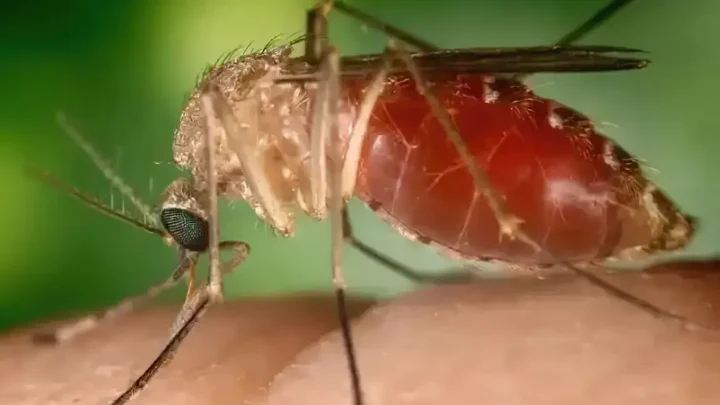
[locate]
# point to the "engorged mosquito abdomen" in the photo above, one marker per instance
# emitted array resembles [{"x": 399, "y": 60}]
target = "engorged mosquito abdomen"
[{"x": 581, "y": 197}]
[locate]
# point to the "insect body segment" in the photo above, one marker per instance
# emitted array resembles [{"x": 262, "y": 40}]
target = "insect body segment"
[
  {"x": 268, "y": 157},
  {"x": 580, "y": 195}
]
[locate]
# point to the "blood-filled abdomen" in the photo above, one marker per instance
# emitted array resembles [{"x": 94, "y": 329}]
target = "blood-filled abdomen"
[{"x": 580, "y": 195}]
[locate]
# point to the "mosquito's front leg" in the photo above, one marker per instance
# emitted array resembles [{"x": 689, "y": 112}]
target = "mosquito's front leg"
[
  {"x": 212, "y": 131},
  {"x": 239, "y": 125},
  {"x": 193, "y": 308},
  {"x": 316, "y": 47},
  {"x": 196, "y": 302},
  {"x": 239, "y": 252}
]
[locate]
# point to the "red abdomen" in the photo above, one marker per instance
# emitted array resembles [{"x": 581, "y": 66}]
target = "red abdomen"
[{"x": 581, "y": 196}]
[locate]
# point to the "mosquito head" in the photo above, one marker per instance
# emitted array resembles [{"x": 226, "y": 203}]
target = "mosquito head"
[{"x": 184, "y": 218}]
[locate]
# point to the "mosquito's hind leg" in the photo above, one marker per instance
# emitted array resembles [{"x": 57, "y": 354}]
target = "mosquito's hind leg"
[
  {"x": 458, "y": 276},
  {"x": 637, "y": 302},
  {"x": 595, "y": 21}
]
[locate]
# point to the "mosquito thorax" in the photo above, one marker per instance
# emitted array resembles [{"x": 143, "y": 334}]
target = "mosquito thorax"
[{"x": 269, "y": 164}]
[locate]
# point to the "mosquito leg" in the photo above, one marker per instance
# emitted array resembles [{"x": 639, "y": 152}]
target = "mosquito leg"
[
  {"x": 326, "y": 127},
  {"x": 316, "y": 33},
  {"x": 215, "y": 285},
  {"x": 239, "y": 252},
  {"x": 637, "y": 302},
  {"x": 213, "y": 292},
  {"x": 315, "y": 47},
  {"x": 593, "y": 22},
  {"x": 336, "y": 206},
  {"x": 509, "y": 223},
  {"x": 190, "y": 313},
  {"x": 196, "y": 304},
  {"x": 88, "y": 323},
  {"x": 384, "y": 27},
  {"x": 597, "y": 19},
  {"x": 456, "y": 277},
  {"x": 242, "y": 139},
  {"x": 191, "y": 284},
  {"x": 359, "y": 128},
  {"x": 199, "y": 303}
]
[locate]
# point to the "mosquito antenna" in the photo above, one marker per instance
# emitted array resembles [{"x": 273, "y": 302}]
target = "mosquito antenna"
[
  {"x": 594, "y": 22},
  {"x": 61, "y": 186},
  {"x": 105, "y": 168}
]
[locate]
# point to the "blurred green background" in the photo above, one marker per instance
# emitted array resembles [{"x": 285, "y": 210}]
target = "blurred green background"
[{"x": 121, "y": 70}]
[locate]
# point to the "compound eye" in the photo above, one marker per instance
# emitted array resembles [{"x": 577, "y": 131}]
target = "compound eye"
[{"x": 189, "y": 230}]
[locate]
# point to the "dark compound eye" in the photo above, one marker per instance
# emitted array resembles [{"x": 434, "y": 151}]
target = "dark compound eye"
[{"x": 188, "y": 230}]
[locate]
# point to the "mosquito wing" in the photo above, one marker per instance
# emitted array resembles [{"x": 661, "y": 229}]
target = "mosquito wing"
[{"x": 541, "y": 59}]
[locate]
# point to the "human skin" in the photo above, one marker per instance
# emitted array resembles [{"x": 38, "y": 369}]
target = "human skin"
[{"x": 557, "y": 341}]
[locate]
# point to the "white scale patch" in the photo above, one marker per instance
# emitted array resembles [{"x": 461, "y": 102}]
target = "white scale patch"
[
  {"x": 609, "y": 155},
  {"x": 555, "y": 121},
  {"x": 489, "y": 95}
]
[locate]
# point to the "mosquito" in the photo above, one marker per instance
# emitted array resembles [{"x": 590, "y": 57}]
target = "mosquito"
[{"x": 448, "y": 146}]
